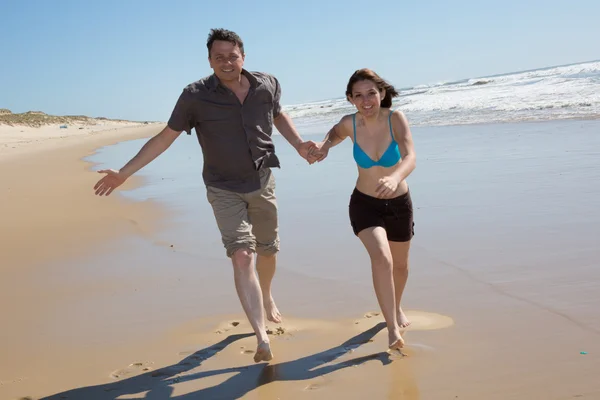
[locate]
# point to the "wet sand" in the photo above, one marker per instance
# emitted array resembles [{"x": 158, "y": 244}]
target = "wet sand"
[
  {"x": 503, "y": 289},
  {"x": 49, "y": 215}
]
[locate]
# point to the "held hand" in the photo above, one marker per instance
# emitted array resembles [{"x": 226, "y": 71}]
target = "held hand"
[
  {"x": 320, "y": 151},
  {"x": 112, "y": 180},
  {"x": 386, "y": 187},
  {"x": 305, "y": 149}
]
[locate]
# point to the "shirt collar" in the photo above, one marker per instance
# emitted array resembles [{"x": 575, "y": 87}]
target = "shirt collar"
[{"x": 214, "y": 82}]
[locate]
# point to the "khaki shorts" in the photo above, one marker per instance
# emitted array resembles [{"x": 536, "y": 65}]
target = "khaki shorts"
[{"x": 247, "y": 220}]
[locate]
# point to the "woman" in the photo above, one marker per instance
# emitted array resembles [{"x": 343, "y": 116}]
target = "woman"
[{"x": 380, "y": 208}]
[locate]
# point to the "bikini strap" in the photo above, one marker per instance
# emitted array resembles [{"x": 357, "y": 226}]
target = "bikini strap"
[
  {"x": 390, "y": 122},
  {"x": 354, "y": 124}
]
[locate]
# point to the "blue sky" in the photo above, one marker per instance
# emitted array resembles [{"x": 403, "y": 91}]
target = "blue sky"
[{"x": 131, "y": 58}]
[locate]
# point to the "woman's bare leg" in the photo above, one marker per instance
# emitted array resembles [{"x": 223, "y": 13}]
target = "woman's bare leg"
[
  {"x": 376, "y": 243},
  {"x": 400, "y": 252}
]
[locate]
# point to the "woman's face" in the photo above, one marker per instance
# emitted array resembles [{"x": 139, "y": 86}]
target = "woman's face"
[{"x": 366, "y": 97}]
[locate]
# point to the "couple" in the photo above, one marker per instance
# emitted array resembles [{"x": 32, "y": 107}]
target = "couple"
[{"x": 233, "y": 112}]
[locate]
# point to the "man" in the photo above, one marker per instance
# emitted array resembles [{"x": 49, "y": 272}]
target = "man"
[{"x": 233, "y": 112}]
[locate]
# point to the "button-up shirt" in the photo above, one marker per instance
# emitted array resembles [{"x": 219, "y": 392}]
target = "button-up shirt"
[{"x": 235, "y": 137}]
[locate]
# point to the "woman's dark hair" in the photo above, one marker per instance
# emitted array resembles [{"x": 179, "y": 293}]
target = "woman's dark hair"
[{"x": 366, "y": 74}]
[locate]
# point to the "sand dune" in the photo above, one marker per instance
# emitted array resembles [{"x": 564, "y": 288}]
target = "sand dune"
[{"x": 18, "y": 140}]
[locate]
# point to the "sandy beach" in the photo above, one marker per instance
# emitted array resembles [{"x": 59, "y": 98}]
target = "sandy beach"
[
  {"x": 49, "y": 215},
  {"x": 46, "y": 190},
  {"x": 132, "y": 295},
  {"x": 112, "y": 298}
]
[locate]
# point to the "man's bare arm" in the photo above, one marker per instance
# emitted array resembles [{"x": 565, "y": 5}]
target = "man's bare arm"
[
  {"x": 152, "y": 149},
  {"x": 285, "y": 126}
]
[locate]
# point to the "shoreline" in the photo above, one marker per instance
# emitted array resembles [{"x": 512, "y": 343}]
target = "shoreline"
[
  {"x": 51, "y": 217},
  {"x": 33, "y": 179},
  {"x": 112, "y": 320}
]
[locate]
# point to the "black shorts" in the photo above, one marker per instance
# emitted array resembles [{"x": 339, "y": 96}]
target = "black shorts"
[{"x": 394, "y": 215}]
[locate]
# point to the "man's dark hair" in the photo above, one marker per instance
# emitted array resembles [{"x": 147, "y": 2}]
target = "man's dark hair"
[{"x": 224, "y": 35}]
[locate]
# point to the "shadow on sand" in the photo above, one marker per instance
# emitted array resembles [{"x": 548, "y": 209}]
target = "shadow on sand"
[{"x": 158, "y": 383}]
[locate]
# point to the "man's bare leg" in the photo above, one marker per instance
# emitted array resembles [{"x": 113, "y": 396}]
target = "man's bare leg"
[
  {"x": 248, "y": 290},
  {"x": 265, "y": 266},
  {"x": 400, "y": 252}
]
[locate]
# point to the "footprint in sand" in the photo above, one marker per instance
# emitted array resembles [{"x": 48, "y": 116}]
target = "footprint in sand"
[
  {"x": 319, "y": 384},
  {"x": 420, "y": 320},
  {"x": 425, "y": 321},
  {"x": 370, "y": 314},
  {"x": 131, "y": 369},
  {"x": 280, "y": 330},
  {"x": 18, "y": 380},
  {"x": 247, "y": 351},
  {"x": 227, "y": 327}
]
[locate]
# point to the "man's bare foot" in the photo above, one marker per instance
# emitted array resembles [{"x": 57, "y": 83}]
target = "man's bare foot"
[
  {"x": 263, "y": 352},
  {"x": 403, "y": 321},
  {"x": 271, "y": 311},
  {"x": 396, "y": 341}
]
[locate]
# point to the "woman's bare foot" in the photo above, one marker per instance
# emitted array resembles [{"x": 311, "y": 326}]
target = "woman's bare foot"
[
  {"x": 271, "y": 311},
  {"x": 396, "y": 341},
  {"x": 403, "y": 321},
  {"x": 263, "y": 352}
]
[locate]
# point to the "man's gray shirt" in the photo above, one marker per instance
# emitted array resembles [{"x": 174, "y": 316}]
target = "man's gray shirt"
[{"x": 235, "y": 138}]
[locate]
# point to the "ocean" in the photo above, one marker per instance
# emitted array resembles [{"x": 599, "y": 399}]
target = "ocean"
[{"x": 561, "y": 92}]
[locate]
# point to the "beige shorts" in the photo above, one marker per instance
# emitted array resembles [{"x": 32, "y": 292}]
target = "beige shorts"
[{"x": 247, "y": 220}]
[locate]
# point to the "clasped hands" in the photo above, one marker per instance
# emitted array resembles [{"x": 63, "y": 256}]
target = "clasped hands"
[{"x": 313, "y": 151}]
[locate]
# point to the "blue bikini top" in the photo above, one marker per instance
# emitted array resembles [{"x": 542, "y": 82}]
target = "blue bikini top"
[{"x": 389, "y": 158}]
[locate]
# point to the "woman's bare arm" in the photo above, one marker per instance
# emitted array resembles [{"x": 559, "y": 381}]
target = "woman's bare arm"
[{"x": 404, "y": 139}]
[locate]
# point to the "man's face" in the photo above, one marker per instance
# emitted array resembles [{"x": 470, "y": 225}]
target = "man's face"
[{"x": 226, "y": 60}]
